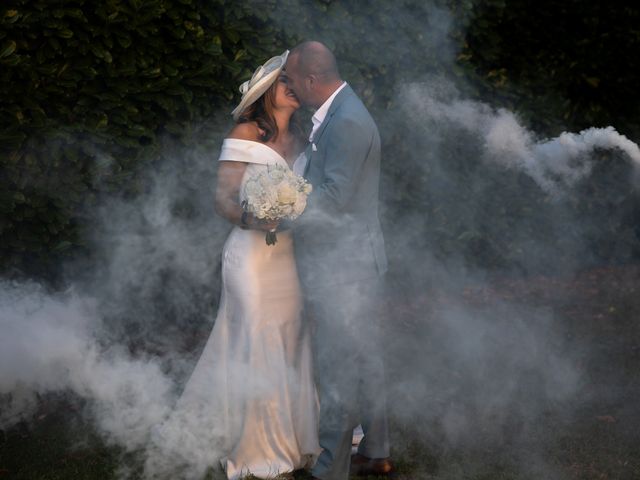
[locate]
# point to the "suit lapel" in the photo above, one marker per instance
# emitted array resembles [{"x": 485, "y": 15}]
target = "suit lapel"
[
  {"x": 340, "y": 98},
  {"x": 307, "y": 153}
]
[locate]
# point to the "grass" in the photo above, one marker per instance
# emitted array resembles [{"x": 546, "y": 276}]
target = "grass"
[
  {"x": 56, "y": 446},
  {"x": 598, "y": 440}
]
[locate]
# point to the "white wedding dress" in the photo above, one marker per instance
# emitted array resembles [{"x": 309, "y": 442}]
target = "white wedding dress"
[{"x": 251, "y": 395}]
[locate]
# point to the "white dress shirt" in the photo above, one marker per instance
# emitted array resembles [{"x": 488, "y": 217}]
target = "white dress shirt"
[
  {"x": 321, "y": 113},
  {"x": 318, "y": 117}
]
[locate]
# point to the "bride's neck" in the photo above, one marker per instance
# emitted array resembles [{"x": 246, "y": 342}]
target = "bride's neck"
[
  {"x": 284, "y": 143},
  {"x": 282, "y": 121}
]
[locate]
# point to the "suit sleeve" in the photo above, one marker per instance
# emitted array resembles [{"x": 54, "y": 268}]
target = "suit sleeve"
[{"x": 345, "y": 156}]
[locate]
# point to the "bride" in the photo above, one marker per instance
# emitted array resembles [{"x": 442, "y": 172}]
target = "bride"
[{"x": 251, "y": 400}]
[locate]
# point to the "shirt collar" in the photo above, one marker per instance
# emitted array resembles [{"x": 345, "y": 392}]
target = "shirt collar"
[{"x": 321, "y": 113}]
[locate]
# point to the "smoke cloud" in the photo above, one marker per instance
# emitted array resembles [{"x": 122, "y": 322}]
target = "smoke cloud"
[
  {"x": 554, "y": 164},
  {"x": 48, "y": 344},
  {"x": 122, "y": 338},
  {"x": 126, "y": 334}
]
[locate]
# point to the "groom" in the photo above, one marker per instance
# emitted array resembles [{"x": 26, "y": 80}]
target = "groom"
[{"x": 340, "y": 257}]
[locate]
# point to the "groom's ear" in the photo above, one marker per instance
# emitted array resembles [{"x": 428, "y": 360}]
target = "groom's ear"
[{"x": 311, "y": 81}]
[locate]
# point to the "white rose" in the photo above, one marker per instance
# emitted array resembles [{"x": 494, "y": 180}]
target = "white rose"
[
  {"x": 299, "y": 206},
  {"x": 286, "y": 194},
  {"x": 276, "y": 174}
]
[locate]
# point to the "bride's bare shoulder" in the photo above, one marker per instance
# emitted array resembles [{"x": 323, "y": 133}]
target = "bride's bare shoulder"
[{"x": 246, "y": 131}]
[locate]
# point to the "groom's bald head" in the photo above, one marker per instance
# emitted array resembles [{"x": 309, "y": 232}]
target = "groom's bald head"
[
  {"x": 312, "y": 73},
  {"x": 314, "y": 58}
]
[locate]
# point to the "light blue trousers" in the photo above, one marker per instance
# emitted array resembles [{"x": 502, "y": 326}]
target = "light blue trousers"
[{"x": 349, "y": 373}]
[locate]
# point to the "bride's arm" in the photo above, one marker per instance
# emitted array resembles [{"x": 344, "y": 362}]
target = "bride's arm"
[
  {"x": 229, "y": 180},
  {"x": 227, "y": 195},
  {"x": 227, "y": 191}
]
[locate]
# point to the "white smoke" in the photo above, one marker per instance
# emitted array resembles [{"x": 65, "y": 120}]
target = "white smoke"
[
  {"x": 478, "y": 368},
  {"x": 55, "y": 342},
  {"x": 48, "y": 345},
  {"x": 117, "y": 339},
  {"x": 554, "y": 164}
]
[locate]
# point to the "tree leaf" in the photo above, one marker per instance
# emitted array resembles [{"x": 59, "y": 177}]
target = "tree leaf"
[{"x": 7, "y": 49}]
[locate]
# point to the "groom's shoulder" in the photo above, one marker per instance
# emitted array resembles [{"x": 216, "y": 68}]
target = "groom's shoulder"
[
  {"x": 353, "y": 101},
  {"x": 352, "y": 108}
]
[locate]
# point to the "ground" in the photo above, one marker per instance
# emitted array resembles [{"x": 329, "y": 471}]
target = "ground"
[{"x": 600, "y": 440}]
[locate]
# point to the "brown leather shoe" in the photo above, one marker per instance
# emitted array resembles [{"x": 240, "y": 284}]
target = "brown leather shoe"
[{"x": 362, "y": 466}]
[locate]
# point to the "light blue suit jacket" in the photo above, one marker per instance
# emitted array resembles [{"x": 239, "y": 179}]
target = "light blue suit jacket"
[{"x": 338, "y": 239}]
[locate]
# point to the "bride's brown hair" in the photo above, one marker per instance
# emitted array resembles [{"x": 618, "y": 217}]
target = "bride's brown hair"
[{"x": 261, "y": 112}]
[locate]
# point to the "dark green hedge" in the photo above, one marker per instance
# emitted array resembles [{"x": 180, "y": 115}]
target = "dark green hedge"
[
  {"x": 86, "y": 90},
  {"x": 89, "y": 91},
  {"x": 563, "y": 64}
]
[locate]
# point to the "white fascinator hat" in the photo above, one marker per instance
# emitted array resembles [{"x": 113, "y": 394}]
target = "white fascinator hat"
[{"x": 262, "y": 79}]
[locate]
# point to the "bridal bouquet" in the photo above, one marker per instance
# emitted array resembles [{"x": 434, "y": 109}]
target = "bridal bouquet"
[{"x": 275, "y": 194}]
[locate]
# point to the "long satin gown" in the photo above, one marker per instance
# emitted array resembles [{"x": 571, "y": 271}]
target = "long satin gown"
[{"x": 253, "y": 383}]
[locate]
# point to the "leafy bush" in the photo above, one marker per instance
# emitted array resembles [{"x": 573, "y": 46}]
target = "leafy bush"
[
  {"x": 86, "y": 94},
  {"x": 89, "y": 92}
]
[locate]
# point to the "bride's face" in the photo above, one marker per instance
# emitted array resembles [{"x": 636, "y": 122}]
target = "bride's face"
[{"x": 284, "y": 95}]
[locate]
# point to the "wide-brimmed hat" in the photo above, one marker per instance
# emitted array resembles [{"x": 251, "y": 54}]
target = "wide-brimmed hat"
[{"x": 262, "y": 79}]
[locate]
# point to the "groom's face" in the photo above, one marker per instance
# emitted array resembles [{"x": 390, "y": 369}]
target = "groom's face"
[{"x": 296, "y": 80}]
